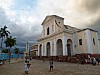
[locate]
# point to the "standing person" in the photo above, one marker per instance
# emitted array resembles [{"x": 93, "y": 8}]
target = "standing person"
[
  {"x": 28, "y": 64},
  {"x": 98, "y": 60},
  {"x": 82, "y": 60},
  {"x": 94, "y": 61},
  {"x": 51, "y": 65},
  {"x": 88, "y": 56},
  {"x": 1, "y": 63},
  {"x": 26, "y": 67},
  {"x": 77, "y": 60}
]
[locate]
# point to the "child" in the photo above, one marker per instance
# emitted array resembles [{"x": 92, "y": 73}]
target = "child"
[
  {"x": 27, "y": 66},
  {"x": 94, "y": 61},
  {"x": 51, "y": 65}
]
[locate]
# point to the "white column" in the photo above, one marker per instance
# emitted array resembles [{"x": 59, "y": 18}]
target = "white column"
[
  {"x": 64, "y": 45},
  {"x": 50, "y": 28},
  {"x": 55, "y": 51},
  {"x": 45, "y": 31},
  {"x": 45, "y": 50},
  {"x": 98, "y": 43},
  {"x": 51, "y": 48},
  {"x": 42, "y": 50},
  {"x": 54, "y": 27},
  {"x": 74, "y": 44}
]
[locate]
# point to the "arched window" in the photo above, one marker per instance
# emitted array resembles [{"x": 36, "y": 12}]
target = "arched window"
[
  {"x": 80, "y": 41},
  {"x": 48, "y": 31},
  {"x": 93, "y": 41}
]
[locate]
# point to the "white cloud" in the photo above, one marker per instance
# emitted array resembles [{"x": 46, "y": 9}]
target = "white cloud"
[
  {"x": 6, "y": 4},
  {"x": 26, "y": 21}
]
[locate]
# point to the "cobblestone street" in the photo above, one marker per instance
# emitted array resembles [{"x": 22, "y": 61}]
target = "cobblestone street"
[{"x": 38, "y": 67}]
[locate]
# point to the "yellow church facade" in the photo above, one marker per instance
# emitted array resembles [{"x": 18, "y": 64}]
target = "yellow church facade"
[{"x": 58, "y": 39}]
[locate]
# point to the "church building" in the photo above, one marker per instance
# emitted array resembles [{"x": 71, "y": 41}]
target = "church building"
[{"x": 58, "y": 39}]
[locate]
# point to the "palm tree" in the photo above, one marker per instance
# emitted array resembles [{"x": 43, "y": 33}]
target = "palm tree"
[
  {"x": 3, "y": 33},
  {"x": 16, "y": 51},
  {"x": 9, "y": 43}
]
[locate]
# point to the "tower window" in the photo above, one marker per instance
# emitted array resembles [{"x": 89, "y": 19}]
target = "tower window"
[
  {"x": 80, "y": 41},
  {"x": 48, "y": 31},
  {"x": 93, "y": 41}
]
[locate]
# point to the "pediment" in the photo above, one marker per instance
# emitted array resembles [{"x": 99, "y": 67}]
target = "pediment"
[
  {"x": 47, "y": 19},
  {"x": 50, "y": 17}
]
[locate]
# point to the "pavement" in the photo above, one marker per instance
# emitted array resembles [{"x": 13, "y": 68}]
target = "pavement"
[{"x": 38, "y": 67}]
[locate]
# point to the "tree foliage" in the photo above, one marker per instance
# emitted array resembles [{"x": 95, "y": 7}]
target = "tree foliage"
[
  {"x": 10, "y": 41},
  {"x": 16, "y": 50},
  {"x": 3, "y": 33},
  {"x": 5, "y": 51}
]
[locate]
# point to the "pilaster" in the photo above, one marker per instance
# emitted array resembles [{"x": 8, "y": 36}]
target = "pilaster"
[
  {"x": 51, "y": 48},
  {"x": 64, "y": 45},
  {"x": 55, "y": 48}
]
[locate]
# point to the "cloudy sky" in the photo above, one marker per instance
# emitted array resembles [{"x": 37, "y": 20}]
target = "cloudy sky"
[{"x": 24, "y": 17}]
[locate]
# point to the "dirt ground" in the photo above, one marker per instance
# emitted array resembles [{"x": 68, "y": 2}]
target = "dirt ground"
[{"x": 38, "y": 67}]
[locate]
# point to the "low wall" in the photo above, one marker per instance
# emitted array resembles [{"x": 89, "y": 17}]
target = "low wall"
[{"x": 5, "y": 56}]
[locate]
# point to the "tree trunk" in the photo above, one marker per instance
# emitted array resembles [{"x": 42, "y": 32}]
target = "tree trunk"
[
  {"x": 9, "y": 55},
  {"x": 1, "y": 45},
  {"x": 1, "y": 42}
]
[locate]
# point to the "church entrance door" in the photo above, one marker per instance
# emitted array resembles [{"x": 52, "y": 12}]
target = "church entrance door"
[
  {"x": 40, "y": 49},
  {"x": 69, "y": 47},
  {"x": 59, "y": 48},
  {"x": 48, "y": 49}
]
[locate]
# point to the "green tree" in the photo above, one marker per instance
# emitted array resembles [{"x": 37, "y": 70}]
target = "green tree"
[
  {"x": 3, "y": 33},
  {"x": 5, "y": 51},
  {"x": 16, "y": 51},
  {"x": 10, "y": 42}
]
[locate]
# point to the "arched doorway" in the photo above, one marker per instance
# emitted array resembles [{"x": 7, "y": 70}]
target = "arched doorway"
[
  {"x": 59, "y": 48},
  {"x": 69, "y": 47},
  {"x": 48, "y": 49},
  {"x": 40, "y": 50}
]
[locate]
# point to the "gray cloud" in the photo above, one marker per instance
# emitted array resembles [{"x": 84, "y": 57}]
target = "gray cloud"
[
  {"x": 96, "y": 26},
  {"x": 18, "y": 31},
  {"x": 91, "y": 6},
  {"x": 89, "y": 11}
]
